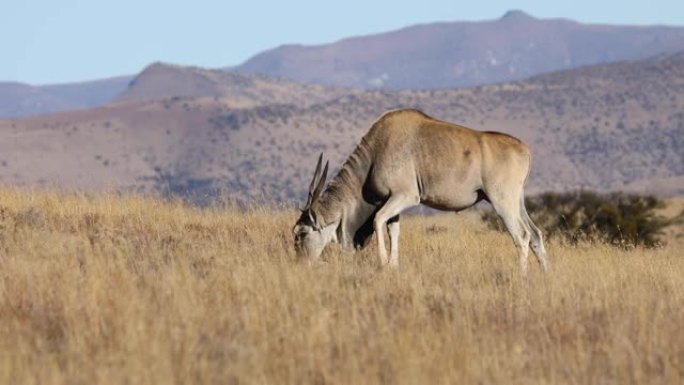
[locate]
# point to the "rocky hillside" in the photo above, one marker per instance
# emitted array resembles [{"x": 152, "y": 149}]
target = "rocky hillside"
[{"x": 608, "y": 127}]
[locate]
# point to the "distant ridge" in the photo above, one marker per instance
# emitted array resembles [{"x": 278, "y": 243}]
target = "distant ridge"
[
  {"x": 18, "y": 99},
  {"x": 457, "y": 54}
]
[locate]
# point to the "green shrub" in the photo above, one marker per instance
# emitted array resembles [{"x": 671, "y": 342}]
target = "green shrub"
[{"x": 619, "y": 219}]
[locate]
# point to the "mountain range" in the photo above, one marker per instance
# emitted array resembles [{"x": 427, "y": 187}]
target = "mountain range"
[
  {"x": 199, "y": 132},
  {"x": 430, "y": 56}
]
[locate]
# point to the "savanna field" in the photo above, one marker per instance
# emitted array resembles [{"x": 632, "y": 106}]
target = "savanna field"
[{"x": 110, "y": 289}]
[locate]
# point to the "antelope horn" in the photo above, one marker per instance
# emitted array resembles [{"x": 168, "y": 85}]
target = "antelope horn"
[
  {"x": 321, "y": 184},
  {"x": 309, "y": 201}
]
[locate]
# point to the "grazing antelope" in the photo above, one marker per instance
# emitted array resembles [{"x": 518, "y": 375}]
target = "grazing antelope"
[{"x": 408, "y": 158}]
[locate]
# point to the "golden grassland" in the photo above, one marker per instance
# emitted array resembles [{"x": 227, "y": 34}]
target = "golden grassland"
[{"x": 127, "y": 290}]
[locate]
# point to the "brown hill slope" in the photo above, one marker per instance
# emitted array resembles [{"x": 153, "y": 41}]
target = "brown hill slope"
[
  {"x": 162, "y": 81},
  {"x": 456, "y": 54},
  {"x": 617, "y": 126}
]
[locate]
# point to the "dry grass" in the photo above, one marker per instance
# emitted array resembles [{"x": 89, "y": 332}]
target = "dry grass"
[{"x": 120, "y": 290}]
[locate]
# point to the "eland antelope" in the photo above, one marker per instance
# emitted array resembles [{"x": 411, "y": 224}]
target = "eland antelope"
[{"x": 408, "y": 158}]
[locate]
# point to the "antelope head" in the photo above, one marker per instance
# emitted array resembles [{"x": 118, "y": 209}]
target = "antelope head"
[{"x": 310, "y": 234}]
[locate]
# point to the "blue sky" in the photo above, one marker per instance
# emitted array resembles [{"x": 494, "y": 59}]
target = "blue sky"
[{"x": 48, "y": 41}]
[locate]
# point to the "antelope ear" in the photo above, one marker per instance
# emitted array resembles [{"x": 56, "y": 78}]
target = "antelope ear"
[{"x": 314, "y": 220}]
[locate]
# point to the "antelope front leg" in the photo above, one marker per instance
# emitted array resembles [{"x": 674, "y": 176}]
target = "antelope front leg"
[
  {"x": 382, "y": 251},
  {"x": 393, "y": 231},
  {"x": 384, "y": 217}
]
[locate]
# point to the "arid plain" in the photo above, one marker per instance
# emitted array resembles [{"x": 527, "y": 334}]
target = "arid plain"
[{"x": 122, "y": 289}]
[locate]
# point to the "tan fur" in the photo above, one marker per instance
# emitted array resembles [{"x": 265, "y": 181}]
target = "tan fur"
[{"x": 407, "y": 158}]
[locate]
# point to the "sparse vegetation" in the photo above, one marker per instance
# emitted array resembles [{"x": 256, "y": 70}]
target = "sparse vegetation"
[
  {"x": 624, "y": 220},
  {"x": 112, "y": 289}
]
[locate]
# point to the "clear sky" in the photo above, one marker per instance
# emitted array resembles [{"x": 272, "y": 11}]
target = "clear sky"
[{"x": 57, "y": 41}]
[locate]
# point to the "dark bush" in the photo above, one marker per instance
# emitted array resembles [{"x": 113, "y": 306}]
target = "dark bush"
[{"x": 624, "y": 220}]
